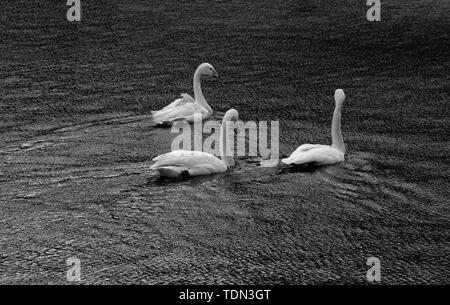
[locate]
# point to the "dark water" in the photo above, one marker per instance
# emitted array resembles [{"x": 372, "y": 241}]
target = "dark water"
[{"x": 77, "y": 141}]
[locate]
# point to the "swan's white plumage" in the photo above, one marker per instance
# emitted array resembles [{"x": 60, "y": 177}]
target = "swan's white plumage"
[
  {"x": 187, "y": 111},
  {"x": 184, "y": 99},
  {"x": 323, "y": 154},
  {"x": 315, "y": 153},
  {"x": 187, "y": 108},
  {"x": 195, "y": 163}
]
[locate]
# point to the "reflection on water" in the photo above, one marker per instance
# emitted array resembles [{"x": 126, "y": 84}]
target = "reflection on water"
[
  {"x": 255, "y": 223},
  {"x": 357, "y": 182},
  {"x": 77, "y": 143}
]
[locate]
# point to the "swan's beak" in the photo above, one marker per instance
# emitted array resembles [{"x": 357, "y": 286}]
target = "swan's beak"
[{"x": 215, "y": 74}]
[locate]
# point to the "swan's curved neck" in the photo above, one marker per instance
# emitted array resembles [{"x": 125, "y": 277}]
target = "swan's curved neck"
[
  {"x": 336, "y": 134},
  {"x": 226, "y": 152},
  {"x": 198, "y": 94}
]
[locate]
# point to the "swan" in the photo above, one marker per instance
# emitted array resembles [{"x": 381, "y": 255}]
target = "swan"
[
  {"x": 185, "y": 107},
  {"x": 323, "y": 154},
  {"x": 182, "y": 163}
]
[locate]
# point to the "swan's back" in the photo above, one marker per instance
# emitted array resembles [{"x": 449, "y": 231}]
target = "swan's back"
[
  {"x": 314, "y": 153},
  {"x": 190, "y": 160},
  {"x": 186, "y": 112}
]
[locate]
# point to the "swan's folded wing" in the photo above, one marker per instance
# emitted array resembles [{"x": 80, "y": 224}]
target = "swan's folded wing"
[
  {"x": 196, "y": 114},
  {"x": 187, "y": 112},
  {"x": 173, "y": 113},
  {"x": 184, "y": 99},
  {"x": 174, "y": 154},
  {"x": 318, "y": 154},
  {"x": 299, "y": 151},
  {"x": 306, "y": 147},
  {"x": 189, "y": 159}
]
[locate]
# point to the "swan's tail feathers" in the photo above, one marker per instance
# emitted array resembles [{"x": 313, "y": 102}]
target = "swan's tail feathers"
[
  {"x": 167, "y": 119},
  {"x": 162, "y": 124},
  {"x": 155, "y": 116},
  {"x": 286, "y": 161},
  {"x": 171, "y": 171},
  {"x": 167, "y": 123},
  {"x": 159, "y": 117}
]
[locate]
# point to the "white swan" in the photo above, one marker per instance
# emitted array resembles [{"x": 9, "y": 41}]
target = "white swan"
[
  {"x": 180, "y": 163},
  {"x": 185, "y": 107},
  {"x": 323, "y": 154}
]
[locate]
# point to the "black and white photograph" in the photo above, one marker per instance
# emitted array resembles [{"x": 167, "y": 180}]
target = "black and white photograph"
[{"x": 225, "y": 143}]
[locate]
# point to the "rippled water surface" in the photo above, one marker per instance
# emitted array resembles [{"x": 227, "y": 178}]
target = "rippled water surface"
[{"x": 77, "y": 141}]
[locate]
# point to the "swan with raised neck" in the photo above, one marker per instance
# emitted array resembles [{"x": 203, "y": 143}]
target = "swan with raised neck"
[
  {"x": 323, "y": 154},
  {"x": 203, "y": 69},
  {"x": 187, "y": 108}
]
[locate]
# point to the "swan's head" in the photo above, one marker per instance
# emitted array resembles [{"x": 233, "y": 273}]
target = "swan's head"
[
  {"x": 339, "y": 96},
  {"x": 231, "y": 115},
  {"x": 207, "y": 70}
]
